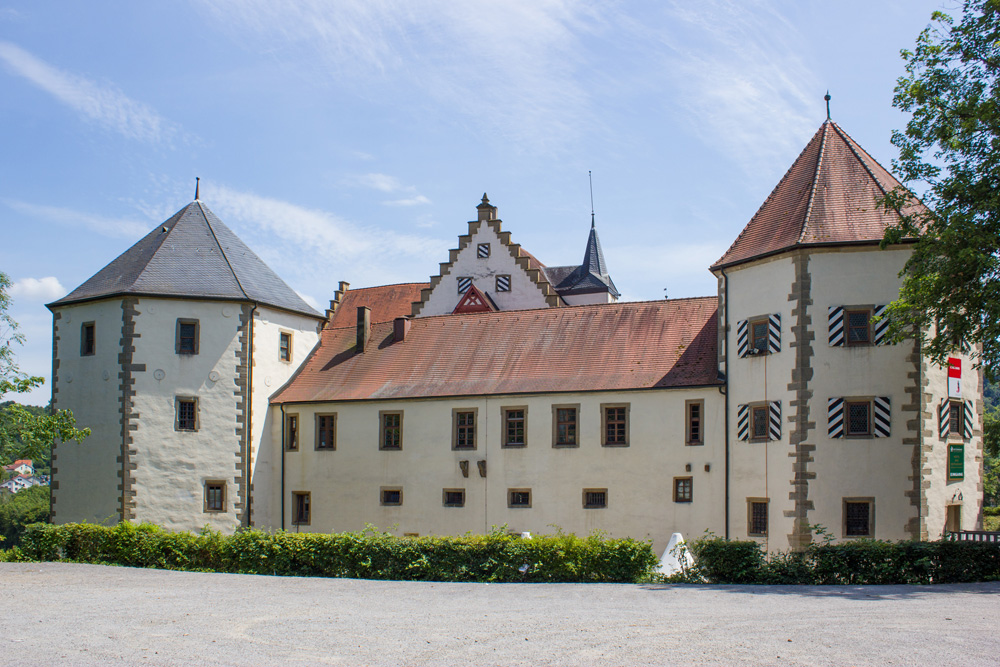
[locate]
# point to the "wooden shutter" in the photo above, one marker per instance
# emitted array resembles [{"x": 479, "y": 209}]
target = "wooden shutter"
[
  {"x": 742, "y": 422},
  {"x": 968, "y": 417},
  {"x": 836, "y": 320},
  {"x": 882, "y": 413},
  {"x": 741, "y": 339},
  {"x": 944, "y": 419},
  {"x": 774, "y": 333},
  {"x": 774, "y": 420},
  {"x": 835, "y": 417},
  {"x": 881, "y": 325}
]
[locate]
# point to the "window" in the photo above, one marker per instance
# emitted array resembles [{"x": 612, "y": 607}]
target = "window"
[
  {"x": 390, "y": 432},
  {"x": 326, "y": 432},
  {"x": 956, "y": 419},
  {"x": 757, "y": 517},
  {"x": 292, "y": 433},
  {"x": 187, "y": 414},
  {"x": 564, "y": 425},
  {"x": 454, "y": 497},
  {"x": 595, "y": 498},
  {"x": 859, "y": 517},
  {"x": 683, "y": 490},
  {"x": 695, "y": 415},
  {"x": 858, "y": 327},
  {"x": 215, "y": 496},
  {"x": 301, "y": 510},
  {"x": 858, "y": 417},
  {"x": 285, "y": 346},
  {"x": 391, "y": 496},
  {"x": 615, "y": 428},
  {"x": 515, "y": 422},
  {"x": 503, "y": 283},
  {"x": 483, "y": 250},
  {"x": 88, "y": 342},
  {"x": 464, "y": 283},
  {"x": 758, "y": 422},
  {"x": 187, "y": 337},
  {"x": 758, "y": 336},
  {"x": 518, "y": 497},
  {"x": 463, "y": 429}
]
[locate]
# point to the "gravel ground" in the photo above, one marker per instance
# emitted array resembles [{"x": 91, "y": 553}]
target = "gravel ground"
[{"x": 60, "y": 613}]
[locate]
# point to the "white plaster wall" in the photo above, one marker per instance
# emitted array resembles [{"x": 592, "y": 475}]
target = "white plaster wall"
[
  {"x": 524, "y": 293},
  {"x": 172, "y": 466},
  {"x": 270, "y": 373},
  {"x": 587, "y": 299},
  {"x": 85, "y": 476},
  {"x": 345, "y": 483}
]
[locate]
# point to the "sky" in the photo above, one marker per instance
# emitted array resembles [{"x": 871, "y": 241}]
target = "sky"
[{"x": 352, "y": 139}]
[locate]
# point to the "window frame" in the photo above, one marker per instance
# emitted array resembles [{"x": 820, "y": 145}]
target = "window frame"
[
  {"x": 196, "y": 338},
  {"x": 297, "y": 504},
  {"x": 292, "y": 435},
  {"x": 178, "y": 401},
  {"x": 496, "y": 283},
  {"x": 752, "y": 340},
  {"x": 870, "y": 501},
  {"x": 848, "y": 433},
  {"x": 680, "y": 495},
  {"x": 458, "y": 281},
  {"x": 505, "y": 421},
  {"x": 479, "y": 251},
  {"x": 383, "y": 490},
  {"x": 444, "y": 498},
  {"x": 510, "y": 498},
  {"x": 285, "y": 351},
  {"x": 455, "y": 426},
  {"x": 751, "y": 502},
  {"x": 318, "y": 428},
  {"x": 209, "y": 484},
  {"x": 588, "y": 503},
  {"x": 555, "y": 425},
  {"x": 868, "y": 312},
  {"x": 382, "y": 414},
  {"x": 956, "y": 407},
  {"x": 754, "y": 409},
  {"x": 91, "y": 327},
  {"x": 689, "y": 439},
  {"x": 605, "y": 407}
]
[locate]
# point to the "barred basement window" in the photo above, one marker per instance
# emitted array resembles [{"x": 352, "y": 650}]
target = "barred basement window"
[
  {"x": 88, "y": 341},
  {"x": 301, "y": 511},
  {"x": 390, "y": 434},
  {"x": 464, "y": 429},
  {"x": 285, "y": 346},
  {"x": 515, "y": 420},
  {"x": 187, "y": 414},
  {"x": 757, "y": 517},
  {"x": 518, "y": 497},
  {"x": 215, "y": 496},
  {"x": 391, "y": 496},
  {"x": 683, "y": 489},
  {"x": 615, "y": 429},
  {"x": 695, "y": 409},
  {"x": 859, "y": 517},
  {"x": 595, "y": 498},
  {"x": 187, "y": 337},
  {"x": 454, "y": 497},
  {"x": 858, "y": 417},
  {"x": 326, "y": 432},
  {"x": 858, "y": 327},
  {"x": 292, "y": 433}
]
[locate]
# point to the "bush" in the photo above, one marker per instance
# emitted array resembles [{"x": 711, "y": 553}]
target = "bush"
[
  {"x": 20, "y": 509},
  {"x": 367, "y": 554}
]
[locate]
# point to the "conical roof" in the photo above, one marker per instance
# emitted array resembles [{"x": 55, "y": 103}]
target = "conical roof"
[
  {"x": 192, "y": 255},
  {"x": 827, "y": 197},
  {"x": 591, "y": 276}
]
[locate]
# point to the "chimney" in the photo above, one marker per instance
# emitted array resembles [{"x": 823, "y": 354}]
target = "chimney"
[
  {"x": 486, "y": 210},
  {"x": 364, "y": 328},
  {"x": 400, "y": 327},
  {"x": 338, "y": 296}
]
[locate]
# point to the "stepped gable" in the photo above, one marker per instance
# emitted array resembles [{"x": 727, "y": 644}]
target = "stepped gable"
[
  {"x": 827, "y": 197},
  {"x": 603, "y": 347},
  {"x": 192, "y": 255},
  {"x": 387, "y": 302}
]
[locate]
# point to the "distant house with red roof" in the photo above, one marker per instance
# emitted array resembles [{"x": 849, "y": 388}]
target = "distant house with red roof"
[{"x": 21, "y": 467}]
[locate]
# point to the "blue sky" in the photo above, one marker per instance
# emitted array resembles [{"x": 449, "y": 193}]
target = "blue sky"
[{"x": 351, "y": 140}]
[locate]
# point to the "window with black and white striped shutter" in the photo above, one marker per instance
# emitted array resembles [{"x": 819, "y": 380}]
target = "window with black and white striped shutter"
[
  {"x": 882, "y": 414},
  {"x": 879, "y": 326},
  {"x": 743, "y": 422},
  {"x": 774, "y": 420},
  {"x": 742, "y": 342},
  {"x": 968, "y": 417},
  {"x": 464, "y": 283}
]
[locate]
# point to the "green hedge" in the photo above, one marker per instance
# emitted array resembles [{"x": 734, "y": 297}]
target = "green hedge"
[
  {"x": 368, "y": 554},
  {"x": 857, "y": 562}
]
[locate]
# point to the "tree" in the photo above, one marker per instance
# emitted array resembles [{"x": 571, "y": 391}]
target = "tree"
[
  {"x": 25, "y": 433},
  {"x": 951, "y": 150}
]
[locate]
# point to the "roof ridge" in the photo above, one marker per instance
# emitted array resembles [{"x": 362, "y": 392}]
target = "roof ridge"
[
  {"x": 222, "y": 250},
  {"x": 855, "y": 147},
  {"x": 812, "y": 186}
]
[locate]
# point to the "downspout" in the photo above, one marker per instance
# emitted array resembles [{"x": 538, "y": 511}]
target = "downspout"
[
  {"x": 725, "y": 388},
  {"x": 282, "y": 405},
  {"x": 248, "y": 462}
]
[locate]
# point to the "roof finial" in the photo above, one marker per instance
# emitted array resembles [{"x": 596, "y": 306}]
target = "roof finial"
[
  {"x": 197, "y": 182},
  {"x": 827, "y": 98},
  {"x": 590, "y": 177}
]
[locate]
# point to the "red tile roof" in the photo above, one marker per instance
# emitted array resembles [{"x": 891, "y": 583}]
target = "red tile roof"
[
  {"x": 638, "y": 345},
  {"x": 826, "y": 197},
  {"x": 387, "y": 302}
]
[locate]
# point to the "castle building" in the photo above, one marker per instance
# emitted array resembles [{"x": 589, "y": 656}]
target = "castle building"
[{"x": 507, "y": 393}]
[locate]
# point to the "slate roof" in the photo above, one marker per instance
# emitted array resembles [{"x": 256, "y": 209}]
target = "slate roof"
[
  {"x": 616, "y": 346},
  {"x": 192, "y": 255},
  {"x": 827, "y": 197},
  {"x": 591, "y": 276}
]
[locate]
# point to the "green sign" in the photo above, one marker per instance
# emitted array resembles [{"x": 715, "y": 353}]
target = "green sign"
[{"x": 956, "y": 461}]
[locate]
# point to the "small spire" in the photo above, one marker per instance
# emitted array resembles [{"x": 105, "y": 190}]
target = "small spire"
[
  {"x": 197, "y": 182},
  {"x": 486, "y": 200},
  {"x": 590, "y": 177},
  {"x": 827, "y": 98}
]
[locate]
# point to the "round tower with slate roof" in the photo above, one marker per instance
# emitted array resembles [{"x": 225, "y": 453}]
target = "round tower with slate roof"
[{"x": 169, "y": 354}]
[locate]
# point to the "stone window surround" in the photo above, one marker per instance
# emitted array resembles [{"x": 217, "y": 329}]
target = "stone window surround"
[
  {"x": 870, "y": 500},
  {"x": 292, "y": 435},
  {"x": 682, "y": 494},
  {"x": 297, "y": 504},
  {"x": 178, "y": 400},
  {"x": 767, "y": 516},
  {"x": 592, "y": 504},
  {"x": 383, "y": 494},
  {"x": 556, "y": 407},
  {"x": 688, "y": 405},
  {"x": 510, "y": 498},
  {"x": 316, "y": 421},
  {"x": 382, "y": 414},
  {"x": 604, "y": 424},
  {"x": 458, "y": 503},
  {"x": 455, "y": 412},
  {"x": 209, "y": 483},
  {"x": 504, "y": 444},
  {"x": 285, "y": 352},
  {"x": 90, "y": 326},
  {"x": 177, "y": 336}
]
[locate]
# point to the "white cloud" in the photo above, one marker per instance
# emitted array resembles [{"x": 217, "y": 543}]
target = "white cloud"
[
  {"x": 412, "y": 201},
  {"x": 112, "y": 227},
  {"x": 380, "y": 182},
  {"x": 38, "y": 289},
  {"x": 311, "y": 301},
  {"x": 102, "y": 104}
]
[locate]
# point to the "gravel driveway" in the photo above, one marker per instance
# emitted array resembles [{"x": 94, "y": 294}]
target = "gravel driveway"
[{"x": 60, "y": 613}]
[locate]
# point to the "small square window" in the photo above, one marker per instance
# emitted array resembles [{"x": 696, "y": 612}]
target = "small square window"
[
  {"x": 615, "y": 425},
  {"x": 595, "y": 498},
  {"x": 757, "y": 517},
  {"x": 326, "y": 432},
  {"x": 503, "y": 283},
  {"x": 683, "y": 489},
  {"x": 285, "y": 346},
  {"x": 564, "y": 425},
  {"x": 187, "y": 337},
  {"x": 391, "y": 496},
  {"x": 464, "y": 430},
  {"x": 483, "y": 250},
  {"x": 454, "y": 497},
  {"x": 88, "y": 341},
  {"x": 758, "y": 337},
  {"x": 758, "y": 422},
  {"x": 292, "y": 433},
  {"x": 390, "y": 434},
  {"x": 515, "y": 427},
  {"x": 695, "y": 415},
  {"x": 464, "y": 283},
  {"x": 215, "y": 496},
  {"x": 858, "y": 517},
  {"x": 518, "y": 497},
  {"x": 187, "y": 414},
  {"x": 858, "y": 415},
  {"x": 858, "y": 327},
  {"x": 301, "y": 510}
]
